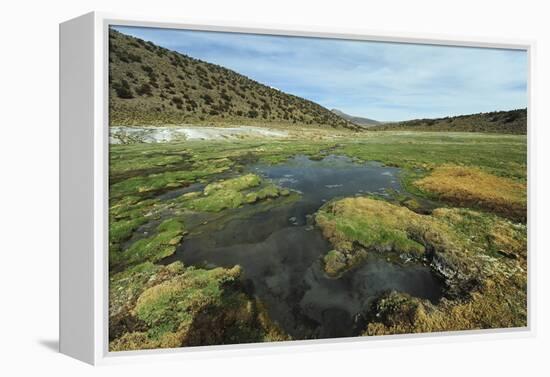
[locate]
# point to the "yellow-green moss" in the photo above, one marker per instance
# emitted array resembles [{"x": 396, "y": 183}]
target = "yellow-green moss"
[
  {"x": 336, "y": 262},
  {"x": 481, "y": 257},
  {"x": 171, "y": 306},
  {"x": 151, "y": 249},
  {"x": 183, "y": 307},
  {"x": 232, "y": 193},
  {"x": 234, "y": 184},
  {"x": 356, "y": 225},
  {"x": 497, "y": 304},
  {"x": 267, "y": 192},
  {"x": 125, "y": 287}
]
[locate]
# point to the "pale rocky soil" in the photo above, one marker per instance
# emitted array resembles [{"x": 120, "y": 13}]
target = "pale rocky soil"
[{"x": 123, "y": 135}]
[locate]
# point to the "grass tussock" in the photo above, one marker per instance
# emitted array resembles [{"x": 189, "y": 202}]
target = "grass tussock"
[{"x": 472, "y": 187}]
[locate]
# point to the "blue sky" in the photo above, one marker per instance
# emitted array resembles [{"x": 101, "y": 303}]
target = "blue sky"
[{"x": 378, "y": 80}]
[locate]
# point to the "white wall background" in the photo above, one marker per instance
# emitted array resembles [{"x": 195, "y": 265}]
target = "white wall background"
[{"x": 29, "y": 184}]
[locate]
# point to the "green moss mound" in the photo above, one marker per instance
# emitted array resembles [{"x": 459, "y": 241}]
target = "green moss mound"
[
  {"x": 482, "y": 259},
  {"x": 151, "y": 249},
  {"x": 232, "y": 193},
  {"x": 173, "y": 306},
  {"x": 358, "y": 225}
]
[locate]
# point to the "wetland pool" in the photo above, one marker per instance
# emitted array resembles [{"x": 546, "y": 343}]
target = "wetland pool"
[{"x": 280, "y": 250}]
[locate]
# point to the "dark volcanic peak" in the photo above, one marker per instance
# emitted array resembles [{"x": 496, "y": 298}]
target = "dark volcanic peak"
[
  {"x": 151, "y": 85},
  {"x": 510, "y": 122},
  {"x": 360, "y": 121}
]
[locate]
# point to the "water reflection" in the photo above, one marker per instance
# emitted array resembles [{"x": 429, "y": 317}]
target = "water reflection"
[{"x": 280, "y": 251}]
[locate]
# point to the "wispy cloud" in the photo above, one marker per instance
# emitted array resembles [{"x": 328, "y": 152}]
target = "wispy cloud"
[{"x": 386, "y": 81}]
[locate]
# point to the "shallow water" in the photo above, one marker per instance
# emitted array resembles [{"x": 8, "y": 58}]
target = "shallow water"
[{"x": 280, "y": 251}]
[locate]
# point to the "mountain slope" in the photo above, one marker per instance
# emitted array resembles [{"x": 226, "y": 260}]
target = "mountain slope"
[
  {"x": 150, "y": 85},
  {"x": 509, "y": 122},
  {"x": 360, "y": 121}
]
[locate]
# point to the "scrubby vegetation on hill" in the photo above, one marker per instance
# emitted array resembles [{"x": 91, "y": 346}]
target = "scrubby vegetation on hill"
[
  {"x": 153, "y": 85},
  {"x": 507, "y": 122}
]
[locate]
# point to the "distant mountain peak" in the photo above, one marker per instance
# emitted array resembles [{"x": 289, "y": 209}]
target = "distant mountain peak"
[{"x": 360, "y": 121}]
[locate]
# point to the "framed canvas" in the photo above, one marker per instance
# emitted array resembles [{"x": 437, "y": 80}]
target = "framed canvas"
[{"x": 252, "y": 188}]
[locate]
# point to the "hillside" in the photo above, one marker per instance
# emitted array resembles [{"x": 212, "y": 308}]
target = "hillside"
[
  {"x": 508, "y": 122},
  {"x": 360, "y": 121},
  {"x": 150, "y": 85}
]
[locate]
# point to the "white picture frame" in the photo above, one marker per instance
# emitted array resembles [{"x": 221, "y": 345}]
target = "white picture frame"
[{"x": 84, "y": 150}]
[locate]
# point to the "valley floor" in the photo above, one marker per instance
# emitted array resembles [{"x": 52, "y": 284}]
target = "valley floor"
[{"x": 446, "y": 209}]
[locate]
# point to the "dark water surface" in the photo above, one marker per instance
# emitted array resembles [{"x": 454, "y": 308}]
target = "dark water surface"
[{"x": 280, "y": 251}]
